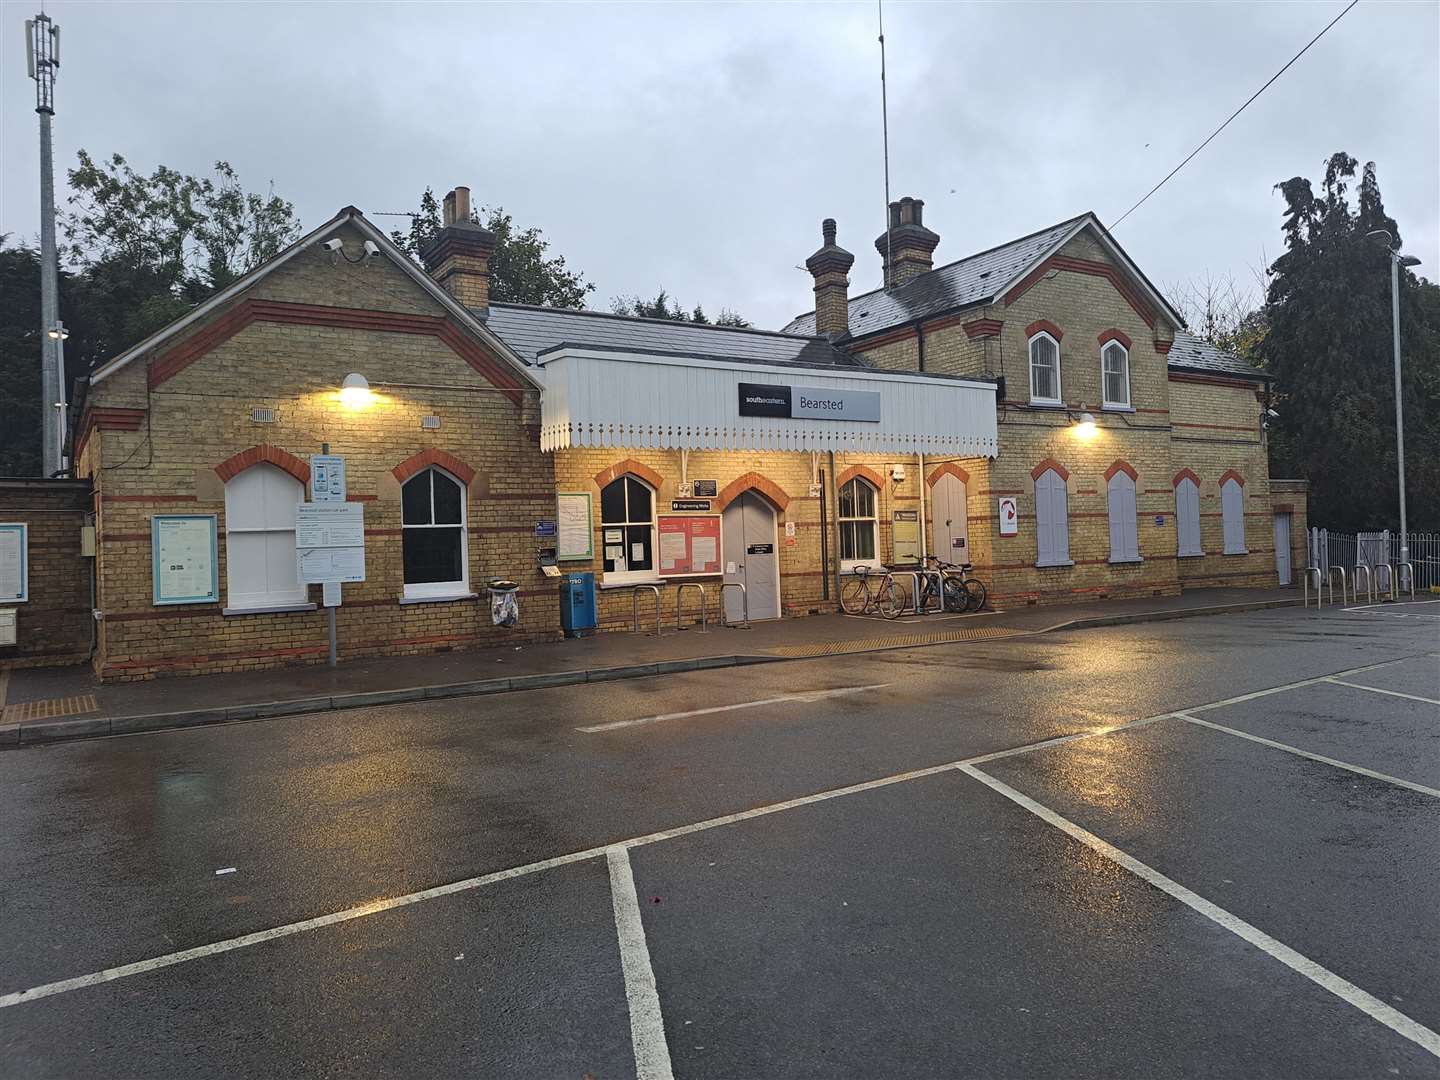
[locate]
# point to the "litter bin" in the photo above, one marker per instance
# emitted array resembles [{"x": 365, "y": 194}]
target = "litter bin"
[
  {"x": 504, "y": 603},
  {"x": 577, "y": 604}
]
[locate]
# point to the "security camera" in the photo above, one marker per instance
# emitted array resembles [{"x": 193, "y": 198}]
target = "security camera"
[
  {"x": 334, "y": 245},
  {"x": 1272, "y": 414},
  {"x": 372, "y": 251}
]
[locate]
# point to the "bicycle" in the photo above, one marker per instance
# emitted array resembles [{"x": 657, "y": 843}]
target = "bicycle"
[
  {"x": 858, "y": 596},
  {"x": 962, "y": 590}
]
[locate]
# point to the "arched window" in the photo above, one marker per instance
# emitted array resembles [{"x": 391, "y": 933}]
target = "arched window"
[
  {"x": 1187, "y": 518},
  {"x": 1115, "y": 375},
  {"x": 432, "y": 505},
  {"x": 859, "y": 523},
  {"x": 1052, "y": 520},
  {"x": 1044, "y": 370},
  {"x": 260, "y": 539},
  {"x": 1232, "y": 513},
  {"x": 1124, "y": 526},
  {"x": 627, "y": 521}
]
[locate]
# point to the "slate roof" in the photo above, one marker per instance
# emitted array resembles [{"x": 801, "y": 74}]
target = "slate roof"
[
  {"x": 1190, "y": 353},
  {"x": 530, "y": 331},
  {"x": 972, "y": 280}
]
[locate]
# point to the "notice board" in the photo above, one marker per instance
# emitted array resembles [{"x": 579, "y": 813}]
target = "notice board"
[
  {"x": 184, "y": 569},
  {"x": 689, "y": 544},
  {"x": 14, "y": 562},
  {"x": 329, "y": 542},
  {"x": 574, "y": 527}
]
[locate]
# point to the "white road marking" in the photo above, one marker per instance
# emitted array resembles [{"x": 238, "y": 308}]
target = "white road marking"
[
  {"x": 1391, "y": 603},
  {"x": 1432, "y": 792},
  {"x": 226, "y": 870},
  {"x": 809, "y": 695},
  {"x": 1295, "y": 685},
  {"x": 1347, "y": 991},
  {"x": 647, "y": 1026},
  {"x": 1377, "y": 690}
]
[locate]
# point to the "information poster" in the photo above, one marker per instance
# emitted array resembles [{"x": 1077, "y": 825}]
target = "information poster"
[
  {"x": 14, "y": 563},
  {"x": 327, "y": 478},
  {"x": 688, "y": 545},
  {"x": 905, "y": 536},
  {"x": 182, "y": 549},
  {"x": 1009, "y": 516},
  {"x": 575, "y": 531},
  {"x": 329, "y": 542}
]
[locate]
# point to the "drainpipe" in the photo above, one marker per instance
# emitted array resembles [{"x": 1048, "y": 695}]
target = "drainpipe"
[
  {"x": 924, "y": 549},
  {"x": 835, "y": 553},
  {"x": 920, "y": 344},
  {"x": 824, "y": 535}
]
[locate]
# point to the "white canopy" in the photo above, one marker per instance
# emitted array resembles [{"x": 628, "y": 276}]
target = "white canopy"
[{"x": 616, "y": 399}]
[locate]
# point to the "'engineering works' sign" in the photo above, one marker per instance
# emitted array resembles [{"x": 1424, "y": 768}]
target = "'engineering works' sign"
[{"x": 809, "y": 402}]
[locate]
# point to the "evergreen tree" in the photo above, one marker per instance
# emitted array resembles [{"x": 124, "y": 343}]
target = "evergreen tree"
[
  {"x": 664, "y": 306},
  {"x": 1328, "y": 344}
]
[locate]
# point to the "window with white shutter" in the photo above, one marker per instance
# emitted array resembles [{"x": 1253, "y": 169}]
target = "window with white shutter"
[
  {"x": 1124, "y": 528},
  {"x": 1044, "y": 370},
  {"x": 1052, "y": 525},
  {"x": 260, "y": 567},
  {"x": 1187, "y": 518},
  {"x": 1232, "y": 513}
]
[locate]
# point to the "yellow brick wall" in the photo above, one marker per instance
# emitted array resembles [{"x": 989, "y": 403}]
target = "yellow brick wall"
[
  {"x": 53, "y": 625},
  {"x": 201, "y": 416}
]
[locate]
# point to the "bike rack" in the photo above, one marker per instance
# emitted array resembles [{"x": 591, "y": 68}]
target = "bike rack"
[
  {"x": 1407, "y": 566},
  {"x": 680, "y": 592},
  {"x": 1389, "y": 579},
  {"x": 1344, "y": 584},
  {"x": 744, "y": 605},
  {"x": 635, "y": 608},
  {"x": 916, "y": 577},
  {"x": 1319, "y": 587},
  {"x": 1369, "y": 584}
]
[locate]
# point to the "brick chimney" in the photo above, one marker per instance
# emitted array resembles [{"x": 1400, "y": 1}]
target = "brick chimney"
[
  {"x": 458, "y": 256},
  {"x": 830, "y": 267},
  {"x": 906, "y": 248}
]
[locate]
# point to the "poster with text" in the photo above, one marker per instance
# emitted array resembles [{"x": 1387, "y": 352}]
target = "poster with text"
[
  {"x": 574, "y": 529},
  {"x": 182, "y": 550},
  {"x": 689, "y": 544},
  {"x": 14, "y": 562}
]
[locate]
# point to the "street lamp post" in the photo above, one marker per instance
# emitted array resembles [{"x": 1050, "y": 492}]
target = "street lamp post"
[{"x": 1397, "y": 261}]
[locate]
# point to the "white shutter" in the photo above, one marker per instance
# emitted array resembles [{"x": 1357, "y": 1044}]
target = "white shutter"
[
  {"x": 1124, "y": 529},
  {"x": 260, "y": 538},
  {"x": 1187, "y": 518},
  {"x": 1232, "y": 512},
  {"x": 1052, "y": 530}
]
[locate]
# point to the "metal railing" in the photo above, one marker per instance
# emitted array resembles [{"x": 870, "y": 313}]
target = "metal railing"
[
  {"x": 744, "y": 605},
  {"x": 679, "y": 593},
  {"x": 635, "y": 608},
  {"x": 1374, "y": 550}
]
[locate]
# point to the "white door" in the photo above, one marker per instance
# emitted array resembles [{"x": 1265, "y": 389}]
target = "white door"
[
  {"x": 947, "y": 515},
  {"x": 1282, "y": 548},
  {"x": 748, "y": 525}
]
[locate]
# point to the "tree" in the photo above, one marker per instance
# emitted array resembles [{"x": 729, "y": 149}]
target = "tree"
[
  {"x": 1328, "y": 344},
  {"x": 521, "y": 271},
  {"x": 664, "y": 306},
  {"x": 1222, "y": 312}
]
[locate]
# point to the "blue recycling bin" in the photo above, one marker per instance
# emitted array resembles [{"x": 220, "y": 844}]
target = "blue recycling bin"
[{"x": 577, "y": 604}]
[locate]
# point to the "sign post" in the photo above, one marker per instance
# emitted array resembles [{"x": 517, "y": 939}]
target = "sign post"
[{"x": 329, "y": 536}]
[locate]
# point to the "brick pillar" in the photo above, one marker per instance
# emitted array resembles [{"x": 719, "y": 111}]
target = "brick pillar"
[
  {"x": 830, "y": 267},
  {"x": 907, "y": 246},
  {"x": 459, "y": 255}
]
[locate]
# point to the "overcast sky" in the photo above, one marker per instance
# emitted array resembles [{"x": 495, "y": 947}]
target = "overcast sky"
[{"x": 697, "y": 147}]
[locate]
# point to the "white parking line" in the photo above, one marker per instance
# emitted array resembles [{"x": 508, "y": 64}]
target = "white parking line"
[
  {"x": 810, "y": 695},
  {"x": 1432, "y": 792},
  {"x": 1377, "y": 690},
  {"x": 1347, "y": 991},
  {"x": 1294, "y": 685},
  {"x": 647, "y": 1026}
]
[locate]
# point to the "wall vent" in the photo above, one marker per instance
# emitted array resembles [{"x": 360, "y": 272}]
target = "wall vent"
[
  {"x": 262, "y": 416},
  {"x": 430, "y": 423}
]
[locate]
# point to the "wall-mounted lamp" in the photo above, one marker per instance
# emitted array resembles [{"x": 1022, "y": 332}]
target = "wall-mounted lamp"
[
  {"x": 1085, "y": 426},
  {"x": 355, "y": 391}
]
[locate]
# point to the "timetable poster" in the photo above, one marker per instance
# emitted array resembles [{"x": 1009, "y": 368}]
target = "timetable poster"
[{"x": 183, "y": 556}]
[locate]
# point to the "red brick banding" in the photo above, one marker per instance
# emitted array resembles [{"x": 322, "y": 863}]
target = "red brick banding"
[
  {"x": 983, "y": 328},
  {"x": 952, "y": 469},
  {"x": 1185, "y": 474},
  {"x": 860, "y": 470},
  {"x": 426, "y": 458},
  {"x": 1118, "y": 467},
  {"x": 1045, "y": 466},
  {"x": 1045, "y": 325},
  {"x": 1113, "y": 334},
  {"x": 266, "y": 454},
  {"x": 1231, "y": 474},
  {"x": 1163, "y": 347},
  {"x": 1085, "y": 266},
  {"x": 635, "y": 468},
  {"x": 752, "y": 481}
]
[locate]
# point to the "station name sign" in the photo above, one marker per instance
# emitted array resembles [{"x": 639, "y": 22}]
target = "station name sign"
[{"x": 809, "y": 402}]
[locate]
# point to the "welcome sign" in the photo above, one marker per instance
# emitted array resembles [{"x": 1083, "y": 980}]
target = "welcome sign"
[{"x": 809, "y": 402}]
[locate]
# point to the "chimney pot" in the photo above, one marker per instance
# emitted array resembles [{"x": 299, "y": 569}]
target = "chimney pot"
[
  {"x": 462, "y": 204},
  {"x": 458, "y": 256},
  {"x": 830, "y": 267},
  {"x": 448, "y": 215},
  {"x": 827, "y": 230},
  {"x": 906, "y": 247}
]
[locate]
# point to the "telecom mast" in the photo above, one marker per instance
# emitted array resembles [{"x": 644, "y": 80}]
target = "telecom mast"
[{"x": 42, "y": 51}]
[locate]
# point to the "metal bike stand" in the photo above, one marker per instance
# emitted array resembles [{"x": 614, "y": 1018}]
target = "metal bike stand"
[
  {"x": 680, "y": 592},
  {"x": 1319, "y": 586},
  {"x": 1411, "y": 567},
  {"x": 1344, "y": 584},
  {"x": 1369, "y": 584},
  {"x": 635, "y": 608},
  {"x": 744, "y": 605},
  {"x": 917, "y": 588},
  {"x": 1389, "y": 580}
]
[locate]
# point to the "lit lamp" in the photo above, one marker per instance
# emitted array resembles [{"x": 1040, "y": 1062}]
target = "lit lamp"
[
  {"x": 1085, "y": 426},
  {"x": 355, "y": 391}
]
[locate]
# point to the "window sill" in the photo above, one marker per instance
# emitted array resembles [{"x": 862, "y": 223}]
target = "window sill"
[
  {"x": 1242, "y": 551},
  {"x": 444, "y": 598},
  {"x": 1107, "y": 407},
  {"x": 1191, "y": 555},
  {"x": 1054, "y": 565},
  {"x": 281, "y": 609},
  {"x": 1046, "y": 403},
  {"x": 1126, "y": 562},
  {"x": 624, "y": 583}
]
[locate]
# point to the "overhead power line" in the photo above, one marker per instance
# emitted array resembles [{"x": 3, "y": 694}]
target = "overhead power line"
[{"x": 1236, "y": 113}]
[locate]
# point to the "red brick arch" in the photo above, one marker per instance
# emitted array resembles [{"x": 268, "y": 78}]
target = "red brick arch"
[
  {"x": 1107, "y": 336},
  {"x": 1046, "y": 325},
  {"x": 1185, "y": 474},
  {"x": 1121, "y": 466},
  {"x": 752, "y": 481},
  {"x": 1045, "y": 466},
  {"x": 860, "y": 470},
  {"x": 267, "y": 455},
  {"x": 426, "y": 458},
  {"x": 637, "y": 469},
  {"x": 950, "y": 468},
  {"x": 1231, "y": 474}
]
